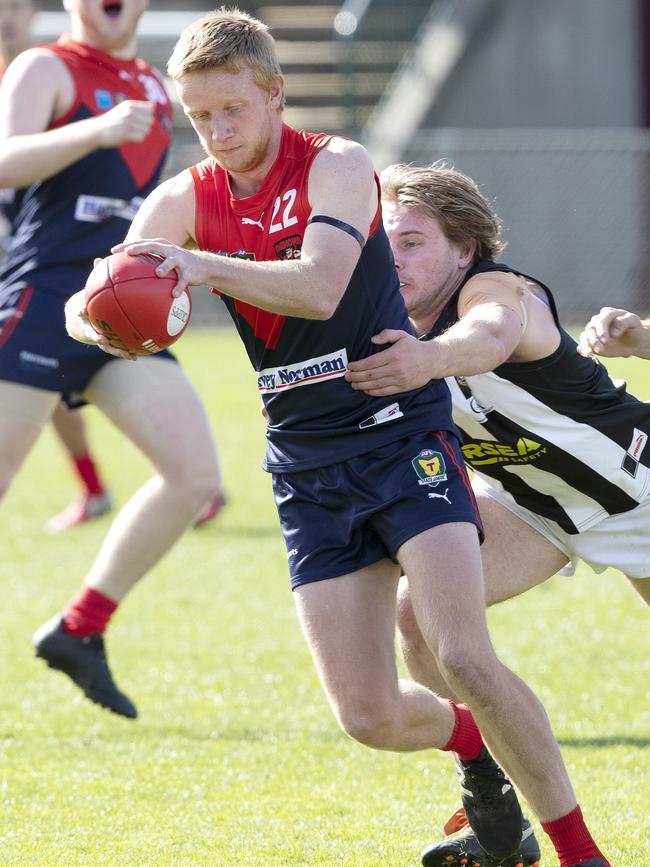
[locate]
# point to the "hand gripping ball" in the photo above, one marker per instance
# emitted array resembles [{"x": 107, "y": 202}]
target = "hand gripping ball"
[{"x": 132, "y": 307}]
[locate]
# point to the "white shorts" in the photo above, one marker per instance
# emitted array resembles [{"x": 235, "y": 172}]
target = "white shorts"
[{"x": 619, "y": 541}]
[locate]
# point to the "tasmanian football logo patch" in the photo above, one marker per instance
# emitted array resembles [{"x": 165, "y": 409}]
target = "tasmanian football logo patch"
[{"x": 430, "y": 467}]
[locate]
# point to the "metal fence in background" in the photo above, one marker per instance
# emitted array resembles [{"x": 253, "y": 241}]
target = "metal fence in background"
[{"x": 575, "y": 204}]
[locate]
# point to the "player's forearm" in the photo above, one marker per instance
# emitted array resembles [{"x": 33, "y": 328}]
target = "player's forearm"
[
  {"x": 468, "y": 349},
  {"x": 25, "y": 159},
  {"x": 307, "y": 288},
  {"x": 300, "y": 288}
]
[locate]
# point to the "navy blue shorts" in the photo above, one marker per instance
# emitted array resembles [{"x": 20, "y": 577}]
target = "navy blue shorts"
[
  {"x": 35, "y": 348},
  {"x": 346, "y": 516}
]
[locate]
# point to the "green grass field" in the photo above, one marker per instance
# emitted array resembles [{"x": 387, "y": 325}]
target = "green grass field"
[{"x": 236, "y": 758}]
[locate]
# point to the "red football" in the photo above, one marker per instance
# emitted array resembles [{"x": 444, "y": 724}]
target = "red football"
[{"x": 131, "y": 306}]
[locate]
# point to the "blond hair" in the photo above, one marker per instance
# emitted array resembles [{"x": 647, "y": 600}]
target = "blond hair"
[
  {"x": 226, "y": 39},
  {"x": 450, "y": 197}
]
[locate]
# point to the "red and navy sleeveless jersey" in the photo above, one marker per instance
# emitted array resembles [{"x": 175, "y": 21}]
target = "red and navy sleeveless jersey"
[
  {"x": 315, "y": 417},
  {"x": 67, "y": 220}
]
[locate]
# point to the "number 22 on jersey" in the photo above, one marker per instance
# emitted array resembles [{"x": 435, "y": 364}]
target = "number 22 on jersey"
[{"x": 284, "y": 220}]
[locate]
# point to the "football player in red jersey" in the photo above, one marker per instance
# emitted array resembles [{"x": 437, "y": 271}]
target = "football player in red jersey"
[
  {"x": 364, "y": 487},
  {"x": 84, "y": 131},
  {"x": 16, "y": 18},
  {"x": 94, "y": 500}
]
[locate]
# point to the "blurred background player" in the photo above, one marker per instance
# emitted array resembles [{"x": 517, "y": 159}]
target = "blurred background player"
[
  {"x": 94, "y": 500},
  {"x": 16, "y": 18},
  {"x": 84, "y": 131},
  {"x": 615, "y": 332}
]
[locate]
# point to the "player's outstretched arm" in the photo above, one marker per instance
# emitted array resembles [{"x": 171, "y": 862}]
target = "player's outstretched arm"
[
  {"x": 615, "y": 332},
  {"x": 489, "y": 330},
  {"x": 341, "y": 187},
  {"x": 37, "y": 89}
]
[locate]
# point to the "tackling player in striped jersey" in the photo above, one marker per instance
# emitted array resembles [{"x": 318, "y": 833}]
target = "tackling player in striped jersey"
[{"x": 559, "y": 451}]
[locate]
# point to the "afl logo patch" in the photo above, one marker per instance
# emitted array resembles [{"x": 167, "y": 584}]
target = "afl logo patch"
[{"x": 430, "y": 467}]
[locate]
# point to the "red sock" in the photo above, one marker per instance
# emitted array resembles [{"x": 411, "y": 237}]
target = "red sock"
[
  {"x": 572, "y": 840},
  {"x": 89, "y": 611},
  {"x": 465, "y": 740},
  {"x": 87, "y": 472}
]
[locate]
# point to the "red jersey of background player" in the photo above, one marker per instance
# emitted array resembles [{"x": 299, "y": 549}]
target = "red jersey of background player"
[
  {"x": 315, "y": 417},
  {"x": 87, "y": 207}
]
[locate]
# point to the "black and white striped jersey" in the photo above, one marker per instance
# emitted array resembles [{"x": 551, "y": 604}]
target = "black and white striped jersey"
[{"x": 557, "y": 435}]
